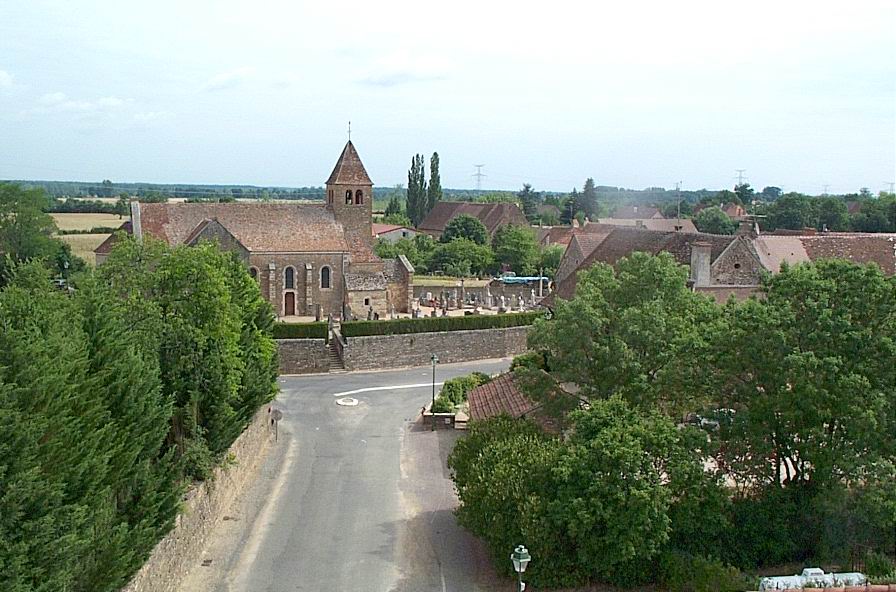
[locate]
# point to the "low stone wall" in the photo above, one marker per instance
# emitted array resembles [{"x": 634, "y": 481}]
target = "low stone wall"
[
  {"x": 181, "y": 549},
  {"x": 303, "y": 356},
  {"x": 414, "y": 349}
]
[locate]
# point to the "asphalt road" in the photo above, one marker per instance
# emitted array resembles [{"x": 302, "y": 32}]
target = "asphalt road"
[{"x": 350, "y": 498}]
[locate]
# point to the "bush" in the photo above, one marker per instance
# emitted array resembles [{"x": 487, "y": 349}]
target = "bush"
[
  {"x": 879, "y": 565},
  {"x": 438, "y": 324},
  {"x": 530, "y": 361},
  {"x": 680, "y": 572},
  {"x": 457, "y": 389},
  {"x": 301, "y": 330},
  {"x": 443, "y": 405}
]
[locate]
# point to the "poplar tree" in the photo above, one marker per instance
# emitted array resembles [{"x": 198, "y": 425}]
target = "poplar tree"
[
  {"x": 417, "y": 192},
  {"x": 434, "y": 193}
]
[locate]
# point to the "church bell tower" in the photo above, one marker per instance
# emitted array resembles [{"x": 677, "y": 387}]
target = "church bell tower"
[{"x": 350, "y": 194}]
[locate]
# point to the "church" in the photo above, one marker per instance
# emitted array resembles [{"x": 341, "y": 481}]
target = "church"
[{"x": 308, "y": 259}]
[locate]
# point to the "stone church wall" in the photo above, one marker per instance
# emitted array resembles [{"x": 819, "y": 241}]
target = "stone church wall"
[
  {"x": 303, "y": 356},
  {"x": 181, "y": 550}
]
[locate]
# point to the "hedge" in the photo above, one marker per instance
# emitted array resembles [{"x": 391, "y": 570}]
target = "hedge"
[
  {"x": 300, "y": 330},
  {"x": 438, "y": 324}
]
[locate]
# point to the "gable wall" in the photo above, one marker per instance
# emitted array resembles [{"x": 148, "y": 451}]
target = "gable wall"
[{"x": 738, "y": 265}]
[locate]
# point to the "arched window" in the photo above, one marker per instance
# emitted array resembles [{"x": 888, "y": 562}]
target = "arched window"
[
  {"x": 359, "y": 197},
  {"x": 289, "y": 278},
  {"x": 325, "y": 277},
  {"x": 254, "y": 273},
  {"x": 348, "y": 197},
  {"x": 330, "y": 196}
]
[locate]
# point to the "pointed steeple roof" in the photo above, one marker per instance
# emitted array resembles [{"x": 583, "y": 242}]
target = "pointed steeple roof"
[{"x": 349, "y": 169}]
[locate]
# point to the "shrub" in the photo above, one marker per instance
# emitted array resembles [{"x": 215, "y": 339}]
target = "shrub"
[
  {"x": 438, "y": 324},
  {"x": 680, "y": 572},
  {"x": 879, "y": 565},
  {"x": 301, "y": 330},
  {"x": 530, "y": 361},
  {"x": 457, "y": 389},
  {"x": 443, "y": 405}
]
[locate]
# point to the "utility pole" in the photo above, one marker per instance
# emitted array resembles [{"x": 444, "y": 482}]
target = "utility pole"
[
  {"x": 678, "y": 197},
  {"x": 479, "y": 175}
]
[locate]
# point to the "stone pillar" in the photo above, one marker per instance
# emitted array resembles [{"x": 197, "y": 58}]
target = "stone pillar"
[
  {"x": 309, "y": 292},
  {"x": 272, "y": 289}
]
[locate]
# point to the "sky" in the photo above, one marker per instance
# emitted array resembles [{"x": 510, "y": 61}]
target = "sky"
[{"x": 634, "y": 94}]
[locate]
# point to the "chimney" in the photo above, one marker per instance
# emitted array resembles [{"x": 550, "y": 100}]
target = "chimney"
[
  {"x": 748, "y": 228},
  {"x": 136, "y": 227},
  {"x": 700, "y": 254}
]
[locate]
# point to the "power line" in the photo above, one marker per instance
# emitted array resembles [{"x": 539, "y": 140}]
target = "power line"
[{"x": 740, "y": 176}]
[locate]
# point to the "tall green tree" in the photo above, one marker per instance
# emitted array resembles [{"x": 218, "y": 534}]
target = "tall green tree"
[
  {"x": 744, "y": 193},
  {"x": 529, "y": 200},
  {"x": 792, "y": 211},
  {"x": 26, "y": 232},
  {"x": 417, "y": 191},
  {"x": 714, "y": 221},
  {"x": 515, "y": 248},
  {"x": 465, "y": 226},
  {"x": 587, "y": 201},
  {"x": 461, "y": 257},
  {"x": 832, "y": 214},
  {"x": 434, "y": 191}
]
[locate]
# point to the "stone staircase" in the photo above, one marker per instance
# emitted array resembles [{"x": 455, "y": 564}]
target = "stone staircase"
[{"x": 336, "y": 363}]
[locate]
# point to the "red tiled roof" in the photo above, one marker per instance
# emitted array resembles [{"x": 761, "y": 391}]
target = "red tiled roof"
[
  {"x": 856, "y": 247},
  {"x": 106, "y": 246},
  {"x": 260, "y": 227},
  {"x": 501, "y": 395},
  {"x": 492, "y": 215},
  {"x": 671, "y": 224},
  {"x": 379, "y": 229},
  {"x": 349, "y": 169}
]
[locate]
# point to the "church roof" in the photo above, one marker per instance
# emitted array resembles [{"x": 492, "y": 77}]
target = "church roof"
[
  {"x": 349, "y": 169},
  {"x": 260, "y": 227}
]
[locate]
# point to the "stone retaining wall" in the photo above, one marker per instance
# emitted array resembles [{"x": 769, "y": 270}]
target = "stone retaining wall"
[
  {"x": 414, "y": 349},
  {"x": 303, "y": 356},
  {"x": 181, "y": 549}
]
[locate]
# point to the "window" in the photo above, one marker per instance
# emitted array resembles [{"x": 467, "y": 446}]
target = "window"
[
  {"x": 359, "y": 197},
  {"x": 348, "y": 197},
  {"x": 254, "y": 273},
  {"x": 330, "y": 196},
  {"x": 289, "y": 277},
  {"x": 325, "y": 277},
  {"x": 367, "y": 302}
]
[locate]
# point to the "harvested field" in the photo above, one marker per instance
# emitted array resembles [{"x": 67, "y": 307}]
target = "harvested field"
[
  {"x": 87, "y": 221},
  {"x": 84, "y": 244}
]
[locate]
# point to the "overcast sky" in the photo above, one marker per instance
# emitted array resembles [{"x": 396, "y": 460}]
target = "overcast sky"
[{"x": 634, "y": 94}]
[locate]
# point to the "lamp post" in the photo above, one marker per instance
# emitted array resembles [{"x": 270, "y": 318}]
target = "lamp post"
[
  {"x": 432, "y": 410},
  {"x": 521, "y": 559}
]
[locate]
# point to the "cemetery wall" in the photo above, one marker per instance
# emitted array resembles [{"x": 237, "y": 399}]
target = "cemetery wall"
[
  {"x": 181, "y": 550},
  {"x": 414, "y": 349},
  {"x": 303, "y": 356}
]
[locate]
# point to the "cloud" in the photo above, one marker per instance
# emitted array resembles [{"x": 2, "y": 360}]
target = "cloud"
[
  {"x": 59, "y": 102},
  {"x": 399, "y": 69},
  {"x": 226, "y": 80},
  {"x": 5, "y": 80},
  {"x": 149, "y": 116}
]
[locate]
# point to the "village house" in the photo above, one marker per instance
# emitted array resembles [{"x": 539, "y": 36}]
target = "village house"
[
  {"x": 720, "y": 265},
  {"x": 492, "y": 216},
  {"x": 392, "y": 232},
  {"x": 309, "y": 259}
]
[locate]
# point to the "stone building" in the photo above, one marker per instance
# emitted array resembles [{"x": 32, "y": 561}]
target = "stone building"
[
  {"x": 720, "y": 266},
  {"x": 308, "y": 259},
  {"x": 492, "y": 216}
]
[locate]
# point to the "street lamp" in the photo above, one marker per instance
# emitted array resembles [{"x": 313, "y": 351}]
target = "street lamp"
[
  {"x": 521, "y": 559},
  {"x": 432, "y": 410}
]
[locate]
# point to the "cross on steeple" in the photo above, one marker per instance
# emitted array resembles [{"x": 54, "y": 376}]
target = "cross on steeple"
[{"x": 349, "y": 131}]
